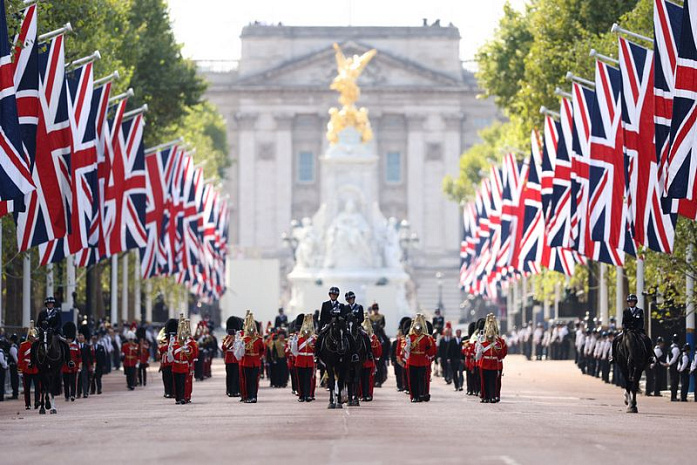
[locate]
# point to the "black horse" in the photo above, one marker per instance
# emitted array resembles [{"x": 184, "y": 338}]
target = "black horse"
[
  {"x": 632, "y": 358},
  {"x": 353, "y": 375},
  {"x": 335, "y": 354},
  {"x": 48, "y": 355}
]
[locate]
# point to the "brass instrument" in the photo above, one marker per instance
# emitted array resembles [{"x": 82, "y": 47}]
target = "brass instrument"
[
  {"x": 162, "y": 337},
  {"x": 367, "y": 324}
]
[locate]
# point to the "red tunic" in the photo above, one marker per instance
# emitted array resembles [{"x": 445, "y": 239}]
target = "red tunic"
[
  {"x": 25, "y": 359},
  {"x": 144, "y": 353},
  {"x": 162, "y": 350},
  {"x": 227, "y": 349},
  {"x": 422, "y": 348},
  {"x": 253, "y": 351},
  {"x": 376, "y": 348},
  {"x": 492, "y": 354},
  {"x": 306, "y": 352},
  {"x": 75, "y": 357},
  {"x": 183, "y": 357},
  {"x": 130, "y": 354}
]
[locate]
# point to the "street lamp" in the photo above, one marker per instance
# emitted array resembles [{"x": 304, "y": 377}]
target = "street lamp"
[
  {"x": 439, "y": 277},
  {"x": 407, "y": 239}
]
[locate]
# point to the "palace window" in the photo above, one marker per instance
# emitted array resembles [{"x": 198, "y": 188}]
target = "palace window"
[
  {"x": 393, "y": 168},
  {"x": 306, "y": 167}
]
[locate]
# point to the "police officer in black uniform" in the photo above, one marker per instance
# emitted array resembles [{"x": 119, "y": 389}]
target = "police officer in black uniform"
[
  {"x": 633, "y": 320},
  {"x": 50, "y": 320},
  {"x": 330, "y": 308}
]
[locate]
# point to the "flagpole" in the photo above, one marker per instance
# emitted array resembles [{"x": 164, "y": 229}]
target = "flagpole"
[
  {"x": 111, "y": 77},
  {"x": 164, "y": 146},
  {"x": 639, "y": 291},
  {"x": 83, "y": 61},
  {"x": 133, "y": 113},
  {"x": 148, "y": 301},
  {"x": 26, "y": 289},
  {"x": 114, "y": 290},
  {"x": 619, "y": 291},
  {"x": 50, "y": 35},
  {"x": 603, "y": 295},
  {"x": 49, "y": 280},
  {"x": 138, "y": 315},
  {"x": 572, "y": 77},
  {"x": 124, "y": 287},
  {"x": 562, "y": 93},
  {"x": 70, "y": 272},
  {"x": 690, "y": 308},
  {"x": 594, "y": 54},
  {"x": 117, "y": 98},
  {"x": 619, "y": 30}
]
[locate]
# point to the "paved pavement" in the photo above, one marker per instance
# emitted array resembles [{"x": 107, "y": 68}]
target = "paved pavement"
[{"x": 549, "y": 414}]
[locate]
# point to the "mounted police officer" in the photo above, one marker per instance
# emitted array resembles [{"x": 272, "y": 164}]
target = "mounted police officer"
[
  {"x": 633, "y": 320},
  {"x": 330, "y": 309},
  {"x": 356, "y": 318},
  {"x": 50, "y": 320}
]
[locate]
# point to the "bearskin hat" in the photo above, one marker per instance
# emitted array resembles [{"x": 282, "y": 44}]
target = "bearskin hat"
[
  {"x": 85, "y": 331},
  {"x": 298, "y": 323},
  {"x": 234, "y": 323},
  {"x": 429, "y": 325},
  {"x": 140, "y": 333},
  {"x": 69, "y": 330},
  {"x": 405, "y": 324},
  {"x": 471, "y": 328},
  {"x": 480, "y": 324},
  {"x": 172, "y": 326}
]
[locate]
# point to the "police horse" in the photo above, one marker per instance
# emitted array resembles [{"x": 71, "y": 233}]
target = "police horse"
[
  {"x": 48, "y": 356},
  {"x": 335, "y": 354},
  {"x": 353, "y": 375},
  {"x": 632, "y": 358}
]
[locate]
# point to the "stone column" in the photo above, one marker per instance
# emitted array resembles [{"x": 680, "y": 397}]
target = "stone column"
[
  {"x": 284, "y": 173},
  {"x": 451, "y": 157},
  {"x": 26, "y": 289},
  {"x": 124, "y": 287},
  {"x": 247, "y": 159},
  {"x": 136, "y": 289},
  {"x": 415, "y": 173},
  {"x": 114, "y": 291}
]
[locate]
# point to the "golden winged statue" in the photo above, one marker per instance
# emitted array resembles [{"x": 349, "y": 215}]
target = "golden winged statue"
[{"x": 345, "y": 82}]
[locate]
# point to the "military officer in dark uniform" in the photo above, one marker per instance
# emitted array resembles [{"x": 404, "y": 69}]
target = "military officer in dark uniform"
[
  {"x": 281, "y": 320},
  {"x": 330, "y": 309},
  {"x": 438, "y": 323}
]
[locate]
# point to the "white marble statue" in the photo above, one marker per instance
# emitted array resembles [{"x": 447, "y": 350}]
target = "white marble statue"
[
  {"x": 392, "y": 251},
  {"x": 348, "y": 241},
  {"x": 308, "y": 254}
]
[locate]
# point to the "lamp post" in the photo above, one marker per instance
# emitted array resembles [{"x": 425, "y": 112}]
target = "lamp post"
[
  {"x": 439, "y": 277},
  {"x": 407, "y": 239}
]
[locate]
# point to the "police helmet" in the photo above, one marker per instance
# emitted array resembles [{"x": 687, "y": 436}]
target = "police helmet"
[
  {"x": 686, "y": 347},
  {"x": 675, "y": 338},
  {"x": 659, "y": 339},
  {"x": 349, "y": 295},
  {"x": 632, "y": 298},
  {"x": 334, "y": 290},
  {"x": 50, "y": 300}
]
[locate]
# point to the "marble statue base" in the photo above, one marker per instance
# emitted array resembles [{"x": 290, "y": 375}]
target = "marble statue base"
[{"x": 387, "y": 287}]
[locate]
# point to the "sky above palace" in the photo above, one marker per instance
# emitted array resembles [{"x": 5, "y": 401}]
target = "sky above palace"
[{"x": 210, "y": 29}]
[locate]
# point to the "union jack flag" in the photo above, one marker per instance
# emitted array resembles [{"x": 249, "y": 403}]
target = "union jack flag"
[
  {"x": 667, "y": 23},
  {"x": 533, "y": 225},
  {"x": 607, "y": 210},
  {"x": 509, "y": 205},
  {"x": 650, "y": 225},
  {"x": 83, "y": 165},
  {"x": 159, "y": 167},
  {"x": 48, "y": 207},
  {"x": 188, "y": 221},
  {"x": 97, "y": 245},
  {"x": 26, "y": 83},
  {"x": 552, "y": 132},
  {"x": 559, "y": 219},
  {"x": 124, "y": 217},
  {"x": 170, "y": 238},
  {"x": 682, "y": 159},
  {"x": 467, "y": 246},
  {"x": 15, "y": 173}
]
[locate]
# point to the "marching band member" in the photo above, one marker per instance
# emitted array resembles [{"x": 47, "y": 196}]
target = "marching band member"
[
  {"x": 189, "y": 384},
  {"x": 303, "y": 348},
  {"x": 181, "y": 355},
  {"x": 29, "y": 372},
  {"x": 249, "y": 350},
  {"x": 370, "y": 364},
  {"x": 130, "y": 356},
  {"x": 143, "y": 356},
  {"x": 418, "y": 350},
  {"x": 232, "y": 364},
  {"x": 71, "y": 368},
  {"x": 164, "y": 340},
  {"x": 489, "y": 354}
]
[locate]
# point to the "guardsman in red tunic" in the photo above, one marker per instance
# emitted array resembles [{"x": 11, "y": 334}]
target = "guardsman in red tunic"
[
  {"x": 129, "y": 356},
  {"x": 468, "y": 345},
  {"x": 29, "y": 372},
  {"x": 143, "y": 356},
  {"x": 418, "y": 350},
  {"x": 181, "y": 354},
  {"x": 370, "y": 365},
  {"x": 71, "y": 368},
  {"x": 193, "y": 359},
  {"x": 232, "y": 365},
  {"x": 490, "y": 351},
  {"x": 166, "y": 338},
  {"x": 303, "y": 348},
  {"x": 250, "y": 349}
]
